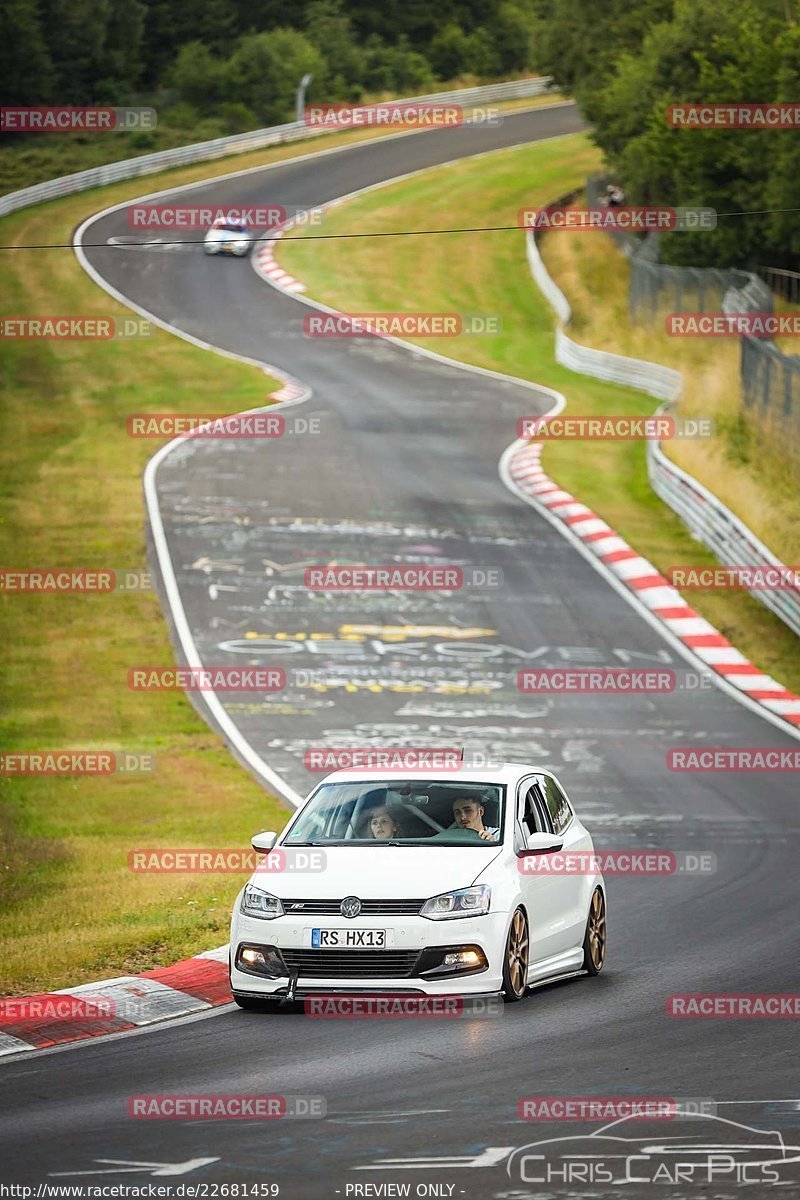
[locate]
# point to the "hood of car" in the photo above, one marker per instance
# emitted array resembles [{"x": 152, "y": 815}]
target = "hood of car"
[
  {"x": 226, "y": 235},
  {"x": 379, "y": 873}
]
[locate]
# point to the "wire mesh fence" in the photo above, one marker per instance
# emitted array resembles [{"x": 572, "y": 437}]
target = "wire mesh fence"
[
  {"x": 771, "y": 390},
  {"x": 656, "y": 288},
  {"x": 770, "y": 378},
  {"x": 785, "y": 284}
]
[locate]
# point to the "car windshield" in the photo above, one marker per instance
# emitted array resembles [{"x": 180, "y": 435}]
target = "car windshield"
[
  {"x": 230, "y": 227},
  {"x": 402, "y": 812}
]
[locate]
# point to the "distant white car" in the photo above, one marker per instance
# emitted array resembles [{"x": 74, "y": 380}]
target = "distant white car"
[
  {"x": 228, "y": 237},
  {"x": 424, "y": 890}
]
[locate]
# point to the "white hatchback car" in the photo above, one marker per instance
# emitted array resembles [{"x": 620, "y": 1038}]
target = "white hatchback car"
[
  {"x": 453, "y": 883},
  {"x": 227, "y": 237}
]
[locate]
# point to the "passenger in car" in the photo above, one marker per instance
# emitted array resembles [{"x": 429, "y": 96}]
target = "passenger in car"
[
  {"x": 468, "y": 814},
  {"x": 382, "y": 825}
]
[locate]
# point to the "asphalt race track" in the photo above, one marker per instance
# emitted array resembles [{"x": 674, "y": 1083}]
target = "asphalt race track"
[{"x": 405, "y": 464}]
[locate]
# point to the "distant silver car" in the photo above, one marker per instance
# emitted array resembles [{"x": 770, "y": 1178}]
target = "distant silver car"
[{"x": 228, "y": 237}]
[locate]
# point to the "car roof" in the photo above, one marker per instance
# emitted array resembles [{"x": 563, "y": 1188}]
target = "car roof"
[{"x": 504, "y": 773}]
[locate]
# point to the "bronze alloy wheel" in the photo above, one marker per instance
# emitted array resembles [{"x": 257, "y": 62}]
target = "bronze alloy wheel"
[
  {"x": 515, "y": 967},
  {"x": 594, "y": 944}
]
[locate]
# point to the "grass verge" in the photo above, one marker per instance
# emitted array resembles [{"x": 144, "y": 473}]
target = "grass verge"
[{"x": 488, "y": 273}]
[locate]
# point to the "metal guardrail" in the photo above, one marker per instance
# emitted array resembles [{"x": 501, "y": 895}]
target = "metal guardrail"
[
  {"x": 653, "y": 378},
  {"x": 707, "y": 518},
  {"x": 719, "y": 529},
  {"x": 240, "y": 143},
  {"x": 656, "y": 380}
]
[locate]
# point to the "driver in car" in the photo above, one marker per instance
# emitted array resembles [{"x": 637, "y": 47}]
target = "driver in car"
[{"x": 468, "y": 814}]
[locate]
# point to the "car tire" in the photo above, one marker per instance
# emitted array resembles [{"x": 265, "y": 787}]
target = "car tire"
[
  {"x": 516, "y": 958},
  {"x": 594, "y": 941}
]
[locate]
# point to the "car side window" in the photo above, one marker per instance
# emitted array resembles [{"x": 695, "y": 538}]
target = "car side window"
[
  {"x": 530, "y": 812},
  {"x": 558, "y": 806},
  {"x": 531, "y": 820}
]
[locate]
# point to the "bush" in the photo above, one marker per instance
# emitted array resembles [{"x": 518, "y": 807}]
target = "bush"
[
  {"x": 199, "y": 77},
  {"x": 264, "y": 70},
  {"x": 143, "y": 139},
  {"x": 482, "y": 53},
  {"x": 511, "y": 36},
  {"x": 236, "y": 118},
  {"x": 451, "y": 52}
]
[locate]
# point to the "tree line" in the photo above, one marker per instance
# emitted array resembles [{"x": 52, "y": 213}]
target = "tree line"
[
  {"x": 219, "y": 66},
  {"x": 243, "y": 61},
  {"x": 627, "y": 62}
]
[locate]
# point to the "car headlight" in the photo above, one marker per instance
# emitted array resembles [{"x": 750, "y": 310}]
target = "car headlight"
[
  {"x": 466, "y": 902},
  {"x": 257, "y": 903}
]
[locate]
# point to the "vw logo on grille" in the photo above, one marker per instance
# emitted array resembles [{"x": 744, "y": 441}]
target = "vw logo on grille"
[{"x": 350, "y": 906}]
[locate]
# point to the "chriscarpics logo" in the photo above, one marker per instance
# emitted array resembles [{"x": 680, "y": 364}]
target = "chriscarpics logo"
[{"x": 691, "y": 1151}]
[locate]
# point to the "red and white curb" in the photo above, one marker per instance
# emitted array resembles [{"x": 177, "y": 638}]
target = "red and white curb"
[
  {"x": 114, "y": 1005},
  {"x": 650, "y": 587},
  {"x": 263, "y": 259},
  {"x": 290, "y": 390}
]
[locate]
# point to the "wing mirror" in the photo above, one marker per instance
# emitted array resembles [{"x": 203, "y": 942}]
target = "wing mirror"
[
  {"x": 541, "y": 843},
  {"x": 263, "y": 842}
]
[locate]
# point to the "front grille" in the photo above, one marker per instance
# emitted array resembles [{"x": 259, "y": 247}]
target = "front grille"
[
  {"x": 352, "y": 964},
  {"x": 369, "y": 908}
]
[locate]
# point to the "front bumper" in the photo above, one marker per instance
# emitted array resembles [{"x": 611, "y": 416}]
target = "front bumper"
[
  {"x": 234, "y": 249},
  {"x": 415, "y": 937}
]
